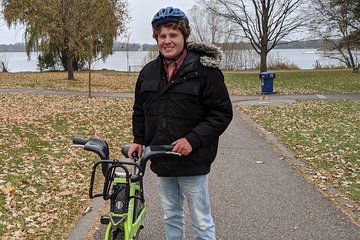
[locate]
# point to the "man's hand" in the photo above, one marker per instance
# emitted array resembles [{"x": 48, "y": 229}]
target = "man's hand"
[
  {"x": 135, "y": 148},
  {"x": 182, "y": 146}
]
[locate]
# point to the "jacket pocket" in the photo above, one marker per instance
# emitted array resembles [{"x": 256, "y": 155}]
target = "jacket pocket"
[
  {"x": 207, "y": 154},
  {"x": 150, "y": 86},
  {"x": 191, "y": 88},
  {"x": 149, "y": 94},
  {"x": 184, "y": 102}
]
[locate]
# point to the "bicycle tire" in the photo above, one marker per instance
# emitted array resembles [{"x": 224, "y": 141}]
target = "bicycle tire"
[
  {"x": 137, "y": 210},
  {"x": 117, "y": 234}
]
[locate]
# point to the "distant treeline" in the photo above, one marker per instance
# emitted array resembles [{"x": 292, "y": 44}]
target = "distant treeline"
[
  {"x": 309, "y": 44},
  {"x": 119, "y": 46}
]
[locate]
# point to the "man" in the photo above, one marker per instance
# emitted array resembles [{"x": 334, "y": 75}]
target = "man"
[{"x": 181, "y": 99}]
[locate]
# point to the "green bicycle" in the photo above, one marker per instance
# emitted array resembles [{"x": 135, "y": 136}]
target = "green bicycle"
[{"x": 123, "y": 186}]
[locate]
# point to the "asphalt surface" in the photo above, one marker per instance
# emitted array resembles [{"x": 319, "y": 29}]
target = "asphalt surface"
[
  {"x": 267, "y": 99},
  {"x": 255, "y": 194}
]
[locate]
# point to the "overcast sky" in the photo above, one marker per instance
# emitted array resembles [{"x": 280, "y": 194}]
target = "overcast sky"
[{"x": 142, "y": 12}]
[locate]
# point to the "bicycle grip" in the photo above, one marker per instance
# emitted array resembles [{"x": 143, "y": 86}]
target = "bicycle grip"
[
  {"x": 135, "y": 155},
  {"x": 165, "y": 148},
  {"x": 168, "y": 147},
  {"x": 80, "y": 141}
]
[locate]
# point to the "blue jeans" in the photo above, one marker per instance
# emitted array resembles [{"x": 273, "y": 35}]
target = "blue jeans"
[{"x": 173, "y": 191}]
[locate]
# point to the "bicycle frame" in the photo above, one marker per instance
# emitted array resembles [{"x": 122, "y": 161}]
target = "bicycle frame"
[
  {"x": 126, "y": 221},
  {"x": 129, "y": 226},
  {"x": 128, "y": 209}
]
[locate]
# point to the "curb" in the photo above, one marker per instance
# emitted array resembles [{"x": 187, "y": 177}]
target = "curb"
[{"x": 85, "y": 222}]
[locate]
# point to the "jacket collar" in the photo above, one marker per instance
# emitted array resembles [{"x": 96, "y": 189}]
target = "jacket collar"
[{"x": 210, "y": 55}]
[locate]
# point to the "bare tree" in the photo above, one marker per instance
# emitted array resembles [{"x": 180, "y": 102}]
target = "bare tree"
[
  {"x": 207, "y": 26},
  {"x": 126, "y": 47},
  {"x": 262, "y": 22},
  {"x": 92, "y": 54},
  {"x": 4, "y": 64},
  {"x": 335, "y": 23},
  {"x": 152, "y": 54}
]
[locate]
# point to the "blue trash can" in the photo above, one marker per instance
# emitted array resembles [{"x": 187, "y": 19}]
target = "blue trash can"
[{"x": 267, "y": 82}]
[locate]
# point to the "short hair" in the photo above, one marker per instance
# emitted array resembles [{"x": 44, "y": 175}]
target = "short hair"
[{"x": 180, "y": 25}]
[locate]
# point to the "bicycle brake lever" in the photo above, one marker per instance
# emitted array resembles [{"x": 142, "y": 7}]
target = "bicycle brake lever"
[
  {"x": 174, "y": 153},
  {"x": 76, "y": 146}
]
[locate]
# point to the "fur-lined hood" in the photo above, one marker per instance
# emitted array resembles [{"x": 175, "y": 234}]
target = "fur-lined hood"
[{"x": 210, "y": 55}]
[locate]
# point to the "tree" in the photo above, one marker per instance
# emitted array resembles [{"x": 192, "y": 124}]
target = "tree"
[
  {"x": 337, "y": 24},
  {"x": 93, "y": 50},
  {"x": 210, "y": 28},
  {"x": 263, "y": 22},
  {"x": 66, "y": 27},
  {"x": 47, "y": 61},
  {"x": 4, "y": 65},
  {"x": 206, "y": 26},
  {"x": 354, "y": 22},
  {"x": 353, "y": 9},
  {"x": 126, "y": 49}
]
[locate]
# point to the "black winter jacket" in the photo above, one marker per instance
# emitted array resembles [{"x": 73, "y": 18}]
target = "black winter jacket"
[{"x": 195, "y": 104}]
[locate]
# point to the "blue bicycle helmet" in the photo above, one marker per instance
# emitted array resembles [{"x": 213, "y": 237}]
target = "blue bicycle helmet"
[{"x": 169, "y": 14}]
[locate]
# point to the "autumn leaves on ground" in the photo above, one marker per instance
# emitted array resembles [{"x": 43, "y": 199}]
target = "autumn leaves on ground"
[{"x": 44, "y": 183}]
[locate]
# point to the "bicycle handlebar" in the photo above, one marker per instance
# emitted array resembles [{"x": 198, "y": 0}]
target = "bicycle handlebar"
[
  {"x": 100, "y": 147},
  {"x": 156, "y": 151},
  {"x": 80, "y": 141},
  {"x": 95, "y": 145}
]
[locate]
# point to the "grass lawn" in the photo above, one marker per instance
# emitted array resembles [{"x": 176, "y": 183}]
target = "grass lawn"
[
  {"x": 239, "y": 83},
  {"x": 101, "y": 81},
  {"x": 296, "y": 82},
  {"x": 44, "y": 184}
]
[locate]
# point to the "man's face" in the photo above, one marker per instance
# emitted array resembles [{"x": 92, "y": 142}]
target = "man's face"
[{"x": 170, "y": 42}]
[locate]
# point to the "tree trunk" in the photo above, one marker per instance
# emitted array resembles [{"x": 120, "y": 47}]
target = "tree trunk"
[
  {"x": 75, "y": 64},
  {"x": 263, "y": 60},
  {"x": 351, "y": 57},
  {"x": 3, "y": 67},
  {"x": 63, "y": 59},
  {"x": 356, "y": 69},
  {"x": 89, "y": 79},
  {"x": 69, "y": 66}
]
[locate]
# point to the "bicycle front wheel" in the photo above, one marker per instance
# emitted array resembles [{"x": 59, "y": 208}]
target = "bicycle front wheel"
[{"x": 117, "y": 234}]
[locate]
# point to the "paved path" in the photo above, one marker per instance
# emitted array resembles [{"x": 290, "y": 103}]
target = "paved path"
[
  {"x": 252, "y": 201},
  {"x": 268, "y": 99},
  {"x": 255, "y": 195},
  {"x": 269, "y": 200}
]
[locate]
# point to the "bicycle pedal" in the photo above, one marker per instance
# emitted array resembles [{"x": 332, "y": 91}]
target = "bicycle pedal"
[{"x": 104, "y": 219}]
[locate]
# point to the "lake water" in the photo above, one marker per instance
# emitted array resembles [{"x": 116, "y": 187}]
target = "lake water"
[{"x": 18, "y": 61}]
